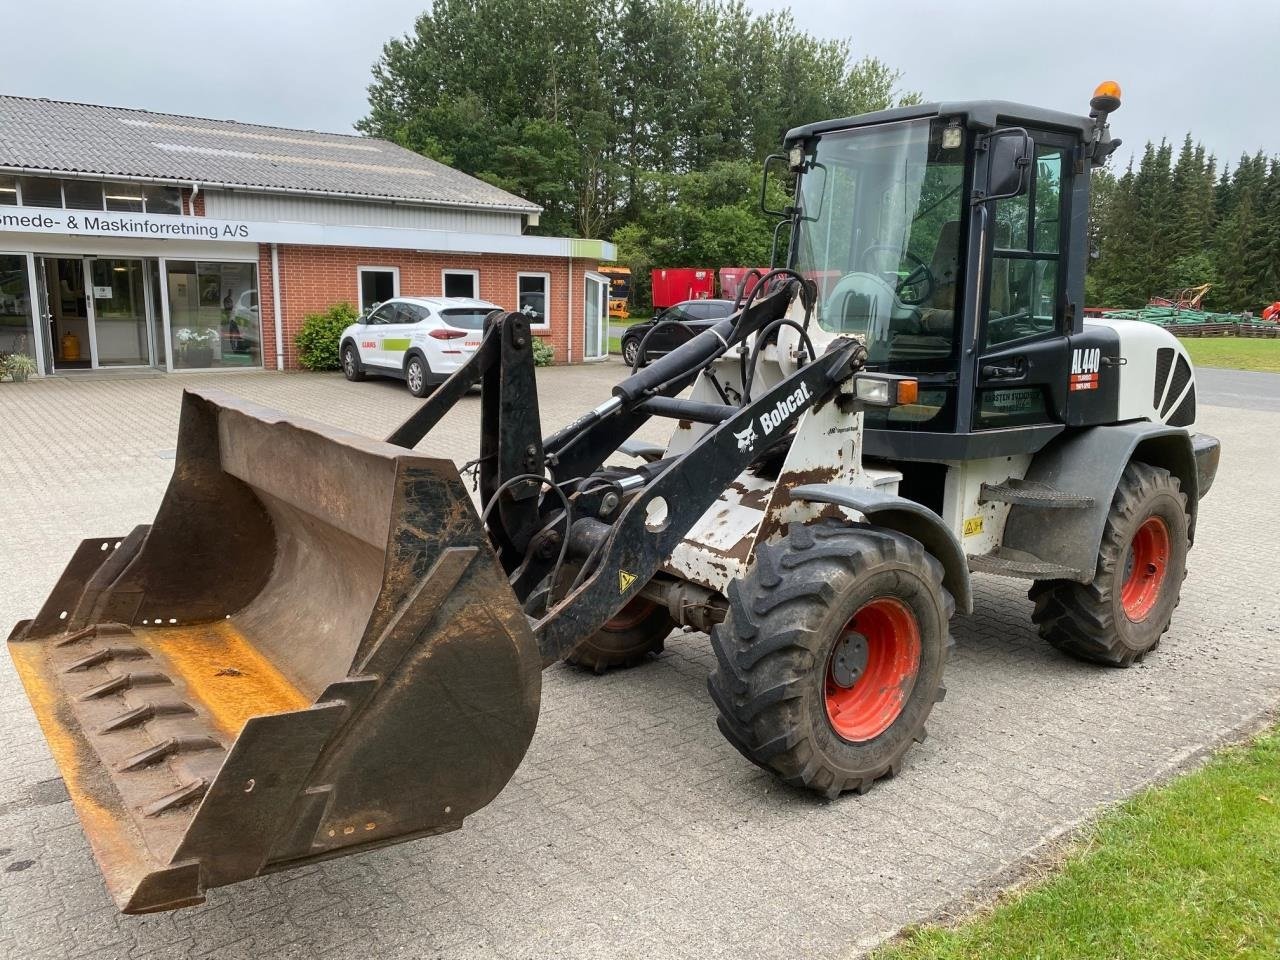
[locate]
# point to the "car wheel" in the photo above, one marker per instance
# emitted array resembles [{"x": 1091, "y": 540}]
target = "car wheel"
[
  {"x": 631, "y": 352},
  {"x": 416, "y": 375},
  {"x": 351, "y": 367}
]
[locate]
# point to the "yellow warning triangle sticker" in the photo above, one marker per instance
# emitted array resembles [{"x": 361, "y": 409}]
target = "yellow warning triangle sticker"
[{"x": 625, "y": 580}]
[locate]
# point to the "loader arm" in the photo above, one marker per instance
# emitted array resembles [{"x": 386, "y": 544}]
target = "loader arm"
[{"x": 615, "y": 549}]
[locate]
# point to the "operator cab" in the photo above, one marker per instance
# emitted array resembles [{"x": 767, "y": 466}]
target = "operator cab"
[{"x": 941, "y": 235}]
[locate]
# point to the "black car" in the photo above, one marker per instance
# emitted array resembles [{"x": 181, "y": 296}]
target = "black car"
[{"x": 691, "y": 318}]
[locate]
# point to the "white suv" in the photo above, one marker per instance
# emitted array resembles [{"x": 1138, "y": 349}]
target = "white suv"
[{"x": 420, "y": 340}]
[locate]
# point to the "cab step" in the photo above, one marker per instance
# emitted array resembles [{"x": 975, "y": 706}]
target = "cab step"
[
  {"x": 1004, "y": 562},
  {"x": 1030, "y": 493}
]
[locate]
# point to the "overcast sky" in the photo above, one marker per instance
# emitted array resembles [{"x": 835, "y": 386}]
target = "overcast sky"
[{"x": 1213, "y": 69}]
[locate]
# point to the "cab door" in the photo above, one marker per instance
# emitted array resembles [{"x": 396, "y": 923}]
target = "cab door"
[{"x": 1023, "y": 356}]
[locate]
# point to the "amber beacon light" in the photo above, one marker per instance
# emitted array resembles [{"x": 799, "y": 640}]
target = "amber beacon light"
[{"x": 1106, "y": 97}]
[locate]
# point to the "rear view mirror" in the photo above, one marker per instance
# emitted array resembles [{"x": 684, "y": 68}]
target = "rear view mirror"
[{"x": 1010, "y": 154}]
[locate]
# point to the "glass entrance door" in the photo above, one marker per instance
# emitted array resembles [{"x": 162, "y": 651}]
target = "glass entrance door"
[
  {"x": 118, "y": 306},
  {"x": 595, "y": 315},
  {"x": 95, "y": 312}
]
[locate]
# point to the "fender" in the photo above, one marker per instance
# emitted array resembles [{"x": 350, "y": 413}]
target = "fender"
[
  {"x": 907, "y": 517},
  {"x": 1089, "y": 463}
]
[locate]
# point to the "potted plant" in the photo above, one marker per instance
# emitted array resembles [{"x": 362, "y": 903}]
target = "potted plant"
[
  {"x": 19, "y": 367},
  {"x": 195, "y": 345}
]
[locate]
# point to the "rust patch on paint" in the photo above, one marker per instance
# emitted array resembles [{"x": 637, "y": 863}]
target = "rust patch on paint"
[{"x": 224, "y": 672}]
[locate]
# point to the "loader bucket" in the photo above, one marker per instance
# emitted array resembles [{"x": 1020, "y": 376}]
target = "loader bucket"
[{"x": 313, "y": 651}]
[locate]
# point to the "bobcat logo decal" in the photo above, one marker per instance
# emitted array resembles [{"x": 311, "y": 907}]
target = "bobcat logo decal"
[{"x": 747, "y": 438}]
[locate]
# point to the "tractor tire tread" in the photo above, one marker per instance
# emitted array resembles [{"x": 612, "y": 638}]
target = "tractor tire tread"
[
  {"x": 768, "y": 648},
  {"x": 1080, "y": 620}
]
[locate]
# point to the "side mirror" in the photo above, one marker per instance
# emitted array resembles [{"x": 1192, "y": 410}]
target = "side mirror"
[{"x": 1010, "y": 155}]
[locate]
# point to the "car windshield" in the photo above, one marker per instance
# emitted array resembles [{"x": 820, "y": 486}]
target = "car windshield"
[
  {"x": 881, "y": 238},
  {"x": 466, "y": 318}
]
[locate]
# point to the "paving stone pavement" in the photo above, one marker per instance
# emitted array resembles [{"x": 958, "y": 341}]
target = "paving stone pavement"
[{"x": 633, "y": 829}]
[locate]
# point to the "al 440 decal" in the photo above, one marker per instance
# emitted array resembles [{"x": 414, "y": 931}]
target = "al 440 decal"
[{"x": 1085, "y": 364}]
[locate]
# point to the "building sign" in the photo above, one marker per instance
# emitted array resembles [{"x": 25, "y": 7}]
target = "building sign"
[
  {"x": 136, "y": 225},
  {"x": 154, "y": 226}
]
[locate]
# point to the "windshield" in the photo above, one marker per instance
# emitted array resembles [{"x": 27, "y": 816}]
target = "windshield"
[{"x": 884, "y": 241}]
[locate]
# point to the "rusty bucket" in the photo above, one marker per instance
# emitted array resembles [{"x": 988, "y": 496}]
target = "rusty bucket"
[{"x": 313, "y": 651}]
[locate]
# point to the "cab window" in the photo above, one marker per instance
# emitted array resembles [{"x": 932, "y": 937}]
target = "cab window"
[{"x": 1025, "y": 282}]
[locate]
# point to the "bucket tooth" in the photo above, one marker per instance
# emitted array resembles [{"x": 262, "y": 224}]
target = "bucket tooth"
[
  {"x": 185, "y": 794},
  {"x": 125, "y": 681},
  {"x": 107, "y": 655},
  {"x": 82, "y": 634},
  {"x": 148, "y": 711},
  {"x": 168, "y": 748}
]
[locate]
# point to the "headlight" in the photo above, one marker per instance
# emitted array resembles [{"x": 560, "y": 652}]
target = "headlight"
[{"x": 885, "y": 389}]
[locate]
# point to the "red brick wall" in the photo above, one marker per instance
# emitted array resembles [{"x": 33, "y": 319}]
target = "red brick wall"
[
  {"x": 193, "y": 209},
  {"x": 314, "y": 278}
]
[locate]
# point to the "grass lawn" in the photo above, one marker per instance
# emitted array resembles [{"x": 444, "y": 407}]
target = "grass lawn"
[
  {"x": 1241, "y": 353},
  {"x": 1187, "y": 870},
  {"x": 615, "y": 345}
]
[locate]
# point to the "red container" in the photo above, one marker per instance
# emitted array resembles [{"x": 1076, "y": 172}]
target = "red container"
[
  {"x": 737, "y": 282},
  {"x": 674, "y": 284}
]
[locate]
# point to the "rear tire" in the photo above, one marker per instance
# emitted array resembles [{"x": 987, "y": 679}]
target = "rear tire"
[
  {"x": 417, "y": 376},
  {"x": 352, "y": 369},
  {"x": 638, "y": 630},
  {"x": 831, "y": 658},
  {"x": 631, "y": 351},
  {"x": 1120, "y": 617}
]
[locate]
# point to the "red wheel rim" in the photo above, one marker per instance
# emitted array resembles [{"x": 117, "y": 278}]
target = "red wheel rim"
[
  {"x": 630, "y": 615},
  {"x": 1147, "y": 566},
  {"x": 868, "y": 708}
]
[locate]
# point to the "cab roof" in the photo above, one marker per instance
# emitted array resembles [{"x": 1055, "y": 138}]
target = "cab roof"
[{"x": 979, "y": 114}]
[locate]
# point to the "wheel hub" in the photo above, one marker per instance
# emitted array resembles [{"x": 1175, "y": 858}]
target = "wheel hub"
[
  {"x": 1145, "y": 569},
  {"x": 849, "y": 659},
  {"x": 872, "y": 669}
]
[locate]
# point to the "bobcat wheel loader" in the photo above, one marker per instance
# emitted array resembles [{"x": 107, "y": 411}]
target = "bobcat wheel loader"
[{"x": 321, "y": 646}]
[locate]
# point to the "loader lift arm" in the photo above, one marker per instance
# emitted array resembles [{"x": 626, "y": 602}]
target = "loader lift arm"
[{"x": 617, "y": 543}]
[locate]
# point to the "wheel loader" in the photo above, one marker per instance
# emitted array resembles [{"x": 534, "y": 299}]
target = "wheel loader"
[{"x": 323, "y": 644}]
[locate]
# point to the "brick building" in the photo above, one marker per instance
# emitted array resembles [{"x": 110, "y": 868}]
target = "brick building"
[{"x": 137, "y": 239}]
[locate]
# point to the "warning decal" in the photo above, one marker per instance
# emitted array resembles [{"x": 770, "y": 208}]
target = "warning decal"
[{"x": 625, "y": 580}]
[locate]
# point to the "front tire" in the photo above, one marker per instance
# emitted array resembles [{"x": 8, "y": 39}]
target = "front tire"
[
  {"x": 831, "y": 658},
  {"x": 639, "y": 629},
  {"x": 352, "y": 369},
  {"x": 417, "y": 376},
  {"x": 1120, "y": 617}
]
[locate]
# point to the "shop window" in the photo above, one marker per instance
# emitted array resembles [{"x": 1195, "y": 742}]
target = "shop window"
[
  {"x": 462, "y": 283},
  {"x": 162, "y": 199},
  {"x": 377, "y": 285},
  {"x": 15, "y": 306},
  {"x": 124, "y": 197},
  {"x": 9, "y": 191},
  {"x": 82, "y": 194},
  {"x": 213, "y": 314},
  {"x": 533, "y": 294},
  {"x": 41, "y": 192}
]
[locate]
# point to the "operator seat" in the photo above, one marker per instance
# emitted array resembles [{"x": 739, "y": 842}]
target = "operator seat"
[{"x": 937, "y": 317}]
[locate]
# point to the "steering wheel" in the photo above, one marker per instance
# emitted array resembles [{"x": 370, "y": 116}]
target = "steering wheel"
[
  {"x": 921, "y": 277},
  {"x": 1011, "y": 326}
]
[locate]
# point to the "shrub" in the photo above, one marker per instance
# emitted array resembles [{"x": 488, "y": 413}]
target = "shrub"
[
  {"x": 543, "y": 353},
  {"x": 317, "y": 341}
]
